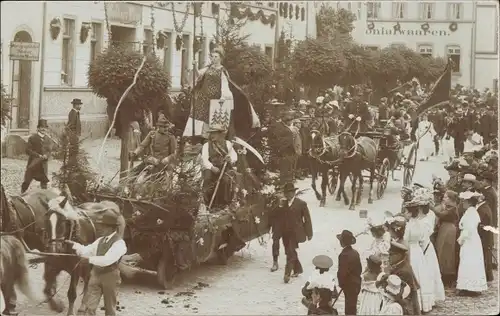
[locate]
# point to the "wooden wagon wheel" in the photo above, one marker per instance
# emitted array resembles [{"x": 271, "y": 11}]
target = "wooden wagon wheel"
[
  {"x": 383, "y": 177},
  {"x": 409, "y": 165},
  {"x": 333, "y": 181}
]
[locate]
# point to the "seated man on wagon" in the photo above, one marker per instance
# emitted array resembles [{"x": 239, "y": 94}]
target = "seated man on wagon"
[
  {"x": 218, "y": 155},
  {"x": 357, "y": 116},
  {"x": 162, "y": 147}
]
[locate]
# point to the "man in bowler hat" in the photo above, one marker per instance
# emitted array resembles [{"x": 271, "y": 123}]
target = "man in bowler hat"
[
  {"x": 291, "y": 222},
  {"x": 39, "y": 149},
  {"x": 74, "y": 125},
  {"x": 349, "y": 271}
]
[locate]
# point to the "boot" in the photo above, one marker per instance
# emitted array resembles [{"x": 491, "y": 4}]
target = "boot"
[
  {"x": 286, "y": 278},
  {"x": 275, "y": 266}
]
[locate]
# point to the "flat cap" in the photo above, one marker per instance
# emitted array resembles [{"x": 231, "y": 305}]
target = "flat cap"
[{"x": 322, "y": 262}]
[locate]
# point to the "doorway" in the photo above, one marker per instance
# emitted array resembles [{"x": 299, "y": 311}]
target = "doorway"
[
  {"x": 123, "y": 37},
  {"x": 21, "y": 87}
]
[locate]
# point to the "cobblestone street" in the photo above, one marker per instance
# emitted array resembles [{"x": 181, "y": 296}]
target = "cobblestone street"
[{"x": 245, "y": 286}]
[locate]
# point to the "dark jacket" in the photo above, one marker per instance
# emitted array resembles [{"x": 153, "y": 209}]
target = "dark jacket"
[
  {"x": 294, "y": 220},
  {"x": 485, "y": 215},
  {"x": 349, "y": 272},
  {"x": 37, "y": 168},
  {"x": 404, "y": 271},
  {"x": 282, "y": 140},
  {"x": 74, "y": 124},
  {"x": 318, "y": 310},
  {"x": 492, "y": 200}
]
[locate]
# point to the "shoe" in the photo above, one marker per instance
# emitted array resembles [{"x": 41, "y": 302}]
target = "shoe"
[
  {"x": 275, "y": 266},
  {"x": 286, "y": 279}
]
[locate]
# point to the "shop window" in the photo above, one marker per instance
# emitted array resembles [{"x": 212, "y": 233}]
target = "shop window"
[
  {"x": 455, "y": 11},
  {"x": 372, "y": 10},
  {"x": 167, "y": 54},
  {"x": 185, "y": 64},
  {"x": 202, "y": 53},
  {"x": 399, "y": 10},
  {"x": 147, "y": 43},
  {"x": 427, "y": 11}
]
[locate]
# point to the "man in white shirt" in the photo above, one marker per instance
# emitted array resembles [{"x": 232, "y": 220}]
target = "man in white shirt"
[
  {"x": 104, "y": 255},
  {"x": 215, "y": 154}
]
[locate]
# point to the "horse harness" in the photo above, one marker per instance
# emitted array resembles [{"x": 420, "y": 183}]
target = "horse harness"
[
  {"x": 10, "y": 205},
  {"x": 73, "y": 228}
]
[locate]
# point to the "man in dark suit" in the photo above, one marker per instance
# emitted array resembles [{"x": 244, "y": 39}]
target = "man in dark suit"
[
  {"x": 38, "y": 149},
  {"x": 291, "y": 222},
  {"x": 484, "y": 211},
  {"x": 349, "y": 272},
  {"x": 74, "y": 125},
  {"x": 284, "y": 147}
]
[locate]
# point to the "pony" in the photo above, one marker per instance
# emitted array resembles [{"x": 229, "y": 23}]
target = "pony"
[
  {"x": 356, "y": 155},
  {"x": 324, "y": 158},
  {"x": 13, "y": 271},
  {"x": 65, "y": 222},
  {"x": 24, "y": 217}
]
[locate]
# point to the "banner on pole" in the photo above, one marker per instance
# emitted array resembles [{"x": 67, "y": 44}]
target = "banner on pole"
[{"x": 220, "y": 112}]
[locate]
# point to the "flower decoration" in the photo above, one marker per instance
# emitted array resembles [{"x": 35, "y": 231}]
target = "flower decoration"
[
  {"x": 453, "y": 26},
  {"x": 137, "y": 213},
  {"x": 244, "y": 192},
  {"x": 491, "y": 229},
  {"x": 371, "y": 26},
  {"x": 159, "y": 221},
  {"x": 55, "y": 28},
  {"x": 421, "y": 197},
  {"x": 425, "y": 27},
  {"x": 200, "y": 241},
  {"x": 257, "y": 220},
  {"x": 397, "y": 27}
]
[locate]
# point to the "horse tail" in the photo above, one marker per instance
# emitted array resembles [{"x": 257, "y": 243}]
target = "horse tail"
[{"x": 20, "y": 265}]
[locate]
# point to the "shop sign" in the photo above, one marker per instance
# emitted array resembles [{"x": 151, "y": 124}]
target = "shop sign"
[
  {"x": 406, "y": 32},
  {"x": 24, "y": 51},
  {"x": 125, "y": 13}
]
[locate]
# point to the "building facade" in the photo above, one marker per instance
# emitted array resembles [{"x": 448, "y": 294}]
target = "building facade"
[
  {"x": 465, "y": 31},
  {"x": 45, "y": 86}
]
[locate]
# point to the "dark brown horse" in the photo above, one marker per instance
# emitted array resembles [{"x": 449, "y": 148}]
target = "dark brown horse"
[
  {"x": 24, "y": 217},
  {"x": 80, "y": 224},
  {"x": 324, "y": 159},
  {"x": 356, "y": 155}
]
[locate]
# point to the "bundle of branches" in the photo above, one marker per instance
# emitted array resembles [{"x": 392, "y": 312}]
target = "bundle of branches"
[
  {"x": 75, "y": 172},
  {"x": 181, "y": 108}
]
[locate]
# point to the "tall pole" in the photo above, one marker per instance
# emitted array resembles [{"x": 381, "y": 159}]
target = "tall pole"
[{"x": 193, "y": 95}]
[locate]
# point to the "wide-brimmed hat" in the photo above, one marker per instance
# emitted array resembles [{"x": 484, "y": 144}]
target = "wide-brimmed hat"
[
  {"x": 395, "y": 287},
  {"x": 76, "y": 102},
  {"x": 322, "y": 262},
  {"x": 109, "y": 216},
  {"x": 288, "y": 187},
  {"x": 42, "y": 123},
  {"x": 453, "y": 166},
  {"x": 375, "y": 259},
  {"x": 467, "y": 195},
  {"x": 469, "y": 177},
  {"x": 346, "y": 237},
  {"x": 320, "y": 99},
  {"x": 216, "y": 127},
  {"x": 276, "y": 102}
]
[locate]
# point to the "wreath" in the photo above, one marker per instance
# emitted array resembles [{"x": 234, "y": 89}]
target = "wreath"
[
  {"x": 55, "y": 28},
  {"x": 453, "y": 26},
  {"x": 84, "y": 32},
  {"x": 425, "y": 27},
  {"x": 215, "y": 9},
  {"x": 397, "y": 27},
  {"x": 247, "y": 13},
  {"x": 371, "y": 26},
  {"x": 161, "y": 39}
]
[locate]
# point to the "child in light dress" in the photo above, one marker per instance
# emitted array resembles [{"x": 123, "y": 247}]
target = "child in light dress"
[{"x": 370, "y": 297}]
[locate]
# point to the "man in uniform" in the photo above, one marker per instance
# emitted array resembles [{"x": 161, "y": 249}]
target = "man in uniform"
[
  {"x": 216, "y": 153},
  {"x": 285, "y": 146},
  {"x": 104, "y": 255},
  {"x": 357, "y": 114},
  {"x": 39, "y": 149},
  {"x": 161, "y": 144}
]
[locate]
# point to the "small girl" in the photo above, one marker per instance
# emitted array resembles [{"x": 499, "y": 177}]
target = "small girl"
[
  {"x": 370, "y": 298},
  {"x": 381, "y": 243}
]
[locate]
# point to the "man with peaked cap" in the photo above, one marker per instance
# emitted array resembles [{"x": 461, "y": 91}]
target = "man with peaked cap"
[
  {"x": 162, "y": 146},
  {"x": 104, "y": 255},
  {"x": 400, "y": 266},
  {"x": 38, "y": 148},
  {"x": 349, "y": 271},
  {"x": 322, "y": 265},
  {"x": 290, "y": 221}
]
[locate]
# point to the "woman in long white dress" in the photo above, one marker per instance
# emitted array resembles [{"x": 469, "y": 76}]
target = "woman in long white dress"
[
  {"x": 415, "y": 235},
  {"x": 370, "y": 297},
  {"x": 471, "y": 278},
  {"x": 429, "y": 223},
  {"x": 425, "y": 133}
]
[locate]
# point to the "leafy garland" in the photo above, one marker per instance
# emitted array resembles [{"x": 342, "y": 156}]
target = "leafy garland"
[{"x": 247, "y": 13}]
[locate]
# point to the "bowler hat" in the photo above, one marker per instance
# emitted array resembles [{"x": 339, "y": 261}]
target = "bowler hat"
[
  {"x": 346, "y": 237},
  {"x": 216, "y": 128},
  {"x": 322, "y": 262},
  {"x": 42, "y": 123},
  {"x": 109, "y": 217},
  {"x": 76, "y": 102},
  {"x": 289, "y": 187}
]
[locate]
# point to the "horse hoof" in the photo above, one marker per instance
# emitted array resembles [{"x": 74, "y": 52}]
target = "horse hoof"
[
  {"x": 56, "y": 305},
  {"x": 337, "y": 198},
  {"x": 346, "y": 202},
  {"x": 351, "y": 208},
  {"x": 370, "y": 201},
  {"x": 322, "y": 204}
]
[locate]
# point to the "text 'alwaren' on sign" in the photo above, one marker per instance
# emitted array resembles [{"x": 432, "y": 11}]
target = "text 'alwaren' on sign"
[
  {"x": 403, "y": 32},
  {"x": 24, "y": 51}
]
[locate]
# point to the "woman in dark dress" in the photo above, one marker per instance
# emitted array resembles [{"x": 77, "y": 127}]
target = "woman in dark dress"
[{"x": 446, "y": 241}]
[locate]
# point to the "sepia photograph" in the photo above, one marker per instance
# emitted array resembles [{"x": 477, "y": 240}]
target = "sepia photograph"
[{"x": 249, "y": 158}]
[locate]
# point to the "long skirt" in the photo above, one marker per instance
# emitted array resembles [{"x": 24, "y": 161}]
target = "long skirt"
[
  {"x": 471, "y": 274},
  {"x": 424, "y": 278},
  {"x": 446, "y": 249},
  {"x": 369, "y": 302},
  {"x": 433, "y": 268}
]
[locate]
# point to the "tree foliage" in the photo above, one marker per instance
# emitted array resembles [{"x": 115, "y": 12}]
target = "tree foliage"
[
  {"x": 110, "y": 74},
  {"x": 6, "y": 102},
  {"x": 334, "y": 25}
]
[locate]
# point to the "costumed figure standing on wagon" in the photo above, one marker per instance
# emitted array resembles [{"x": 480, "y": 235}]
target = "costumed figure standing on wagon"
[
  {"x": 213, "y": 85},
  {"x": 161, "y": 145}
]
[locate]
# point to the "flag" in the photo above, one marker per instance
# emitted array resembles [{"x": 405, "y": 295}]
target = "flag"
[{"x": 439, "y": 93}]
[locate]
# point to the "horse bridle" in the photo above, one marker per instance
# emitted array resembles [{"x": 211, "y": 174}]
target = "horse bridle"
[
  {"x": 353, "y": 148},
  {"x": 71, "y": 232}
]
